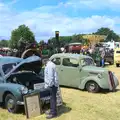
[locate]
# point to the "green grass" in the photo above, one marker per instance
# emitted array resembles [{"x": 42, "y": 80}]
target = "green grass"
[{"x": 81, "y": 106}]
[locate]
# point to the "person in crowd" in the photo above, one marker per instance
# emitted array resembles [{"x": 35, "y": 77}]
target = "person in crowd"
[
  {"x": 97, "y": 57},
  {"x": 51, "y": 81},
  {"x": 102, "y": 57}
]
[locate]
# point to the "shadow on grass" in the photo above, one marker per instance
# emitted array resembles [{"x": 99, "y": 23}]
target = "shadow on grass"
[
  {"x": 20, "y": 111},
  {"x": 60, "y": 109},
  {"x": 102, "y": 91},
  {"x": 63, "y": 109}
]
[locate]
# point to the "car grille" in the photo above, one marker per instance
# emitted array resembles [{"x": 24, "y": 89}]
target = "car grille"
[{"x": 111, "y": 78}]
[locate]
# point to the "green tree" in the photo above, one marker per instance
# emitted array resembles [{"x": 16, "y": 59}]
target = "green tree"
[
  {"x": 111, "y": 35},
  {"x": 4, "y": 43},
  {"x": 77, "y": 38},
  {"x": 41, "y": 42},
  {"x": 68, "y": 39},
  {"x": 22, "y": 33},
  {"x": 62, "y": 39}
]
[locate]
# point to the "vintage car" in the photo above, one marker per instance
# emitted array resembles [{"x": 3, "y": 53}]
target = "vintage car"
[
  {"x": 117, "y": 57},
  {"x": 79, "y": 71},
  {"x": 19, "y": 77},
  {"x": 109, "y": 56}
]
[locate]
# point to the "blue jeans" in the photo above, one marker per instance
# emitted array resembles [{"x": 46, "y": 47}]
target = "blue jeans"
[
  {"x": 53, "y": 100},
  {"x": 103, "y": 62}
]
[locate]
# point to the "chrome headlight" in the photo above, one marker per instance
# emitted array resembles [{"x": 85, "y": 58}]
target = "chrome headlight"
[
  {"x": 24, "y": 90},
  {"x": 100, "y": 75}
]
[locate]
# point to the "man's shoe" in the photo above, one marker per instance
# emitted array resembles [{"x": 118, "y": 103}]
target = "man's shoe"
[{"x": 51, "y": 116}]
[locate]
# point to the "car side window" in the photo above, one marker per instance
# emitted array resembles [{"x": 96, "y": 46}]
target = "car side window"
[
  {"x": 57, "y": 61},
  {"x": 70, "y": 62},
  {"x": 87, "y": 61},
  {"x": 83, "y": 62}
]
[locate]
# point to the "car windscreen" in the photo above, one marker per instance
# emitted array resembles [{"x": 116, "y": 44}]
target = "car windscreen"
[
  {"x": 8, "y": 67},
  {"x": 87, "y": 62}
]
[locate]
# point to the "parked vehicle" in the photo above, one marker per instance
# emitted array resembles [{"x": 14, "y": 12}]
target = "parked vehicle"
[
  {"x": 79, "y": 71},
  {"x": 109, "y": 56},
  {"x": 19, "y": 77},
  {"x": 117, "y": 57},
  {"x": 111, "y": 44},
  {"x": 73, "y": 48}
]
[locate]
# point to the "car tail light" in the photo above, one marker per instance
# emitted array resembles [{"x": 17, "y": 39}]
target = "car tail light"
[{"x": 112, "y": 83}]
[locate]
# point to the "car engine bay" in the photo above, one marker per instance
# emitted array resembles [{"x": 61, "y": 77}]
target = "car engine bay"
[{"x": 26, "y": 78}]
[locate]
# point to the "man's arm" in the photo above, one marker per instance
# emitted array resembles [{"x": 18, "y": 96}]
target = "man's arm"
[
  {"x": 56, "y": 78},
  {"x": 50, "y": 76}
]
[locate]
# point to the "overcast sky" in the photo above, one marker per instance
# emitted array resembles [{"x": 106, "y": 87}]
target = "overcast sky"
[{"x": 68, "y": 16}]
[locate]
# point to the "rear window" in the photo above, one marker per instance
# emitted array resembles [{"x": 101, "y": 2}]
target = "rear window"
[
  {"x": 70, "y": 62},
  {"x": 117, "y": 51},
  {"x": 57, "y": 61}
]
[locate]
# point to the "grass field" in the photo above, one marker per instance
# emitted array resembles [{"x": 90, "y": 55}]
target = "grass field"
[{"x": 81, "y": 105}]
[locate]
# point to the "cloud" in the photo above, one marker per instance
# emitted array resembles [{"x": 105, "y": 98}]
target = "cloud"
[
  {"x": 95, "y": 4},
  {"x": 13, "y": 2},
  {"x": 43, "y": 21}
]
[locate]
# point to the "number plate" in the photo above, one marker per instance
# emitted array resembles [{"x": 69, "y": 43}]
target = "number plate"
[{"x": 38, "y": 86}]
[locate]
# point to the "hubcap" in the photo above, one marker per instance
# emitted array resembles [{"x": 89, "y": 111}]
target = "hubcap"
[
  {"x": 10, "y": 104},
  {"x": 92, "y": 86}
]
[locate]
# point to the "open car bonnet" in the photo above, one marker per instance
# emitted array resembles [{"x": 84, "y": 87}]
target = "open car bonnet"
[{"x": 33, "y": 63}]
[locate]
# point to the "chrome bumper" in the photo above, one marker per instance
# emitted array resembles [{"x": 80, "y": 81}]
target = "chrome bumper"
[
  {"x": 45, "y": 99},
  {"x": 20, "y": 103}
]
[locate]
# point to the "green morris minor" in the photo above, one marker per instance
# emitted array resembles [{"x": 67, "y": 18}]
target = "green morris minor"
[{"x": 79, "y": 71}]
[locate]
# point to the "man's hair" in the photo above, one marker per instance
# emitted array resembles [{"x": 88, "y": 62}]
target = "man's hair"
[{"x": 45, "y": 61}]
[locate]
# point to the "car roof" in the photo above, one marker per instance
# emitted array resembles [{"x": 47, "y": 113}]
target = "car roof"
[
  {"x": 72, "y": 44},
  {"x": 8, "y": 59},
  {"x": 72, "y": 55}
]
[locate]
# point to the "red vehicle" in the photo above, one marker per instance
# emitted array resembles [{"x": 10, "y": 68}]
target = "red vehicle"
[
  {"x": 3, "y": 52},
  {"x": 73, "y": 47}
]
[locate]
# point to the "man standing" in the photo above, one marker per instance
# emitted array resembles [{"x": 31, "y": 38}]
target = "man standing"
[
  {"x": 51, "y": 81},
  {"x": 102, "y": 57},
  {"x": 97, "y": 57}
]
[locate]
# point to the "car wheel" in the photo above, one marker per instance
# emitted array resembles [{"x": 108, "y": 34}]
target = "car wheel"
[
  {"x": 117, "y": 65},
  {"x": 92, "y": 87},
  {"x": 10, "y": 103}
]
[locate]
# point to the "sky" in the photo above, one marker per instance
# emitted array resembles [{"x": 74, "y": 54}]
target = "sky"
[{"x": 69, "y": 17}]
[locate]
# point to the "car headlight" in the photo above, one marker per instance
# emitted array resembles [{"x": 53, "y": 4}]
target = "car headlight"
[
  {"x": 24, "y": 90},
  {"x": 100, "y": 75}
]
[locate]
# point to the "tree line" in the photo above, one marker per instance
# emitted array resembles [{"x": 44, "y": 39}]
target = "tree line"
[{"x": 24, "y": 34}]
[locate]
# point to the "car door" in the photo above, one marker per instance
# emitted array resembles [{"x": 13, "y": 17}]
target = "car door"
[{"x": 69, "y": 72}]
